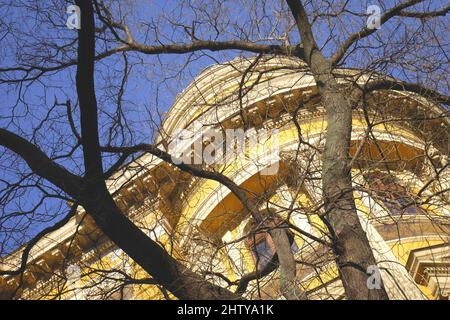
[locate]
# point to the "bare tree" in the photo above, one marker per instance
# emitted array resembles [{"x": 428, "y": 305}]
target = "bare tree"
[{"x": 71, "y": 154}]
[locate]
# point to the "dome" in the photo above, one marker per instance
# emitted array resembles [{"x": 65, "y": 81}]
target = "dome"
[{"x": 221, "y": 91}]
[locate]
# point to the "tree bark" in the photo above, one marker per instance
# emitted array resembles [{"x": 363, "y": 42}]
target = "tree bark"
[
  {"x": 98, "y": 202},
  {"x": 350, "y": 243},
  {"x": 288, "y": 270},
  {"x": 351, "y": 247}
]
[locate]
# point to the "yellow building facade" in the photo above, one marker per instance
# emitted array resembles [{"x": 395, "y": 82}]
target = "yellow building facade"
[{"x": 400, "y": 176}]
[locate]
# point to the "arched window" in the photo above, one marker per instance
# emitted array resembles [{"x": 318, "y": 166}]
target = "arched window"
[
  {"x": 262, "y": 247},
  {"x": 391, "y": 194}
]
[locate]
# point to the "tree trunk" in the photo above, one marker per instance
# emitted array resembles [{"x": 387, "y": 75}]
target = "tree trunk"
[
  {"x": 351, "y": 247},
  {"x": 288, "y": 271},
  {"x": 98, "y": 202},
  {"x": 164, "y": 269},
  {"x": 350, "y": 243}
]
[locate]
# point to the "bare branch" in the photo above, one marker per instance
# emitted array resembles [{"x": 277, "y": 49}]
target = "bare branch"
[{"x": 365, "y": 32}]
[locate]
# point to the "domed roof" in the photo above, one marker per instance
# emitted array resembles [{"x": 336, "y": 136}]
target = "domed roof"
[
  {"x": 218, "y": 84},
  {"x": 222, "y": 90}
]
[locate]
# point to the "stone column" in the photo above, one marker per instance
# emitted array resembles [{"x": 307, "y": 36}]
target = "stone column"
[{"x": 397, "y": 281}]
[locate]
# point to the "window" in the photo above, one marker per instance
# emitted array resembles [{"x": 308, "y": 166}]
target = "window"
[
  {"x": 263, "y": 253},
  {"x": 263, "y": 249},
  {"x": 394, "y": 197}
]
